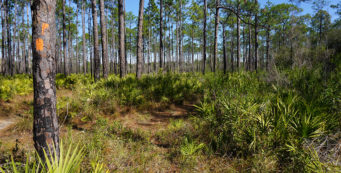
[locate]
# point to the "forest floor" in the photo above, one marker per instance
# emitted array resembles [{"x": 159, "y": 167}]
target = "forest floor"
[{"x": 143, "y": 139}]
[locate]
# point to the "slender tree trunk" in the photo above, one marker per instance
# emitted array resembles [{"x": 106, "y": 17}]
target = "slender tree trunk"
[
  {"x": 113, "y": 42},
  {"x": 143, "y": 53},
  {"x": 15, "y": 56},
  {"x": 249, "y": 51},
  {"x": 169, "y": 64},
  {"x": 204, "y": 47},
  {"x": 9, "y": 43},
  {"x": 161, "y": 34},
  {"x": 121, "y": 34},
  {"x": 4, "y": 32},
  {"x": 256, "y": 36},
  {"x": 192, "y": 32},
  {"x": 104, "y": 40},
  {"x": 149, "y": 47},
  {"x": 45, "y": 126},
  {"x": 232, "y": 54},
  {"x": 130, "y": 49},
  {"x": 224, "y": 49},
  {"x": 244, "y": 48},
  {"x": 216, "y": 35},
  {"x": 96, "y": 52},
  {"x": 58, "y": 45},
  {"x": 83, "y": 37},
  {"x": 29, "y": 46},
  {"x": 77, "y": 47},
  {"x": 139, "y": 45},
  {"x": 24, "y": 46},
  {"x": 176, "y": 63},
  {"x": 267, "y": 49},
  {"x": 69, "y": 45},
  {"x": 172, "y": 48},
  {"x": 154, "y": 45},
  {"x": 66, "y": 69},
  {"x": 181, "y": 58},
  {"x": 90, "y": 44},
  {"x": 238, "y": 35}
]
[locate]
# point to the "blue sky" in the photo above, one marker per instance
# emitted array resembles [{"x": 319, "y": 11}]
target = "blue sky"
[{"x": 133, "y": 5}]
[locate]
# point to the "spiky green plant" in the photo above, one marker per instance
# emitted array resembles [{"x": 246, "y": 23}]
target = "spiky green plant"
[{"x": 68, "y": 162}]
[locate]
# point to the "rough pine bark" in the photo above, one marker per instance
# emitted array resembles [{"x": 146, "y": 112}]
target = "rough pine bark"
[
  {"x": 28, "y": 46},
  {"x": 90, "y": 45},
  {"x": 232, "y": 53},
  {"x": 15, "y": 56},
  {"x": 24, "y": 46},
  {"x": 154, "y": 47},
  {"x": 149, "y": 47},
  {"x": 3, "y": 40},
  {"x": 216, "y": 35},
  {"x": 181, "y": 58},
  {"x": 9, "y": 42},
  {"x": 96, "y": 53},
  {"x": 161, "y": 34},
  {"x": 113, "y": 43},
  {"x": 45, "y": 125},
  {"x": 192, "y": 35},
  {"x": 238, "y": 35},
  {"x": 66, "y": 69},
  {"x": 139, "y": 41},
  {"x": 83, "y": 37},
  {"x": 249, "y": 49},
  {"x": 256, "y": 37},
  {"x": 121, "y": 35},
  {"x": 224, "y": 50},
  {"x": 204, "y": 47},
  {"x": 104, "y": 40},
  {"x": 267, "y": 49}
]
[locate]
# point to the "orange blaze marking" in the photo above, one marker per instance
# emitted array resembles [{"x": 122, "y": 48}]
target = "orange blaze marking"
[
  {"x": 43, "y": 27},
  {"x": 39, "y": 44}
]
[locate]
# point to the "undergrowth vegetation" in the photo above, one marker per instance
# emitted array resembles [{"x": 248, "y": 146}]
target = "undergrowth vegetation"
[
  {"x": 284, "y": 123},
  {"x": 16, "y": 85}
]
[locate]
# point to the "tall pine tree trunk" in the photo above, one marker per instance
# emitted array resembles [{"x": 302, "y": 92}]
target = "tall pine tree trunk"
[
  {"x": 97, "y": 67},
  {"x": 181, "y": 58},
  {"x": 45, "y": 126},
  {"x": 66, "y": 69},
  {"x": 161, "y": 34},
  {"x": 90, "y": 44},
  {"x": 204, "y": 35},
  {"x": 104, "y": 40},
  {"x": 192, "y": 32},
  {"x": 232, "y": 52},
  {"x": 3, "y": 40},
  {"x": 154, "y": 47},
  {"x": 9, "y": 42},
  {"x": 121, "y": 35},
  {"x": 139, "y": 41},
  {"x": 267, "y": 49},
  {"x": 215, "y": 52},
  {"x": 149, "y": 47},
  {"x": 249, "y": 51},
  {"x": 15, "y": 55},
  {"x": 256, "y": 36},
  {"x": 224, "y": 50},
  {"x": 238, "y": 35},
  {"x": 83, "y": 38}
]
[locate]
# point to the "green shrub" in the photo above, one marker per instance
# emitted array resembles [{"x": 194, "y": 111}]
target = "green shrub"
[
  {"x": 16, "y": 85},
  {"x": 243, "y": 115}
]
